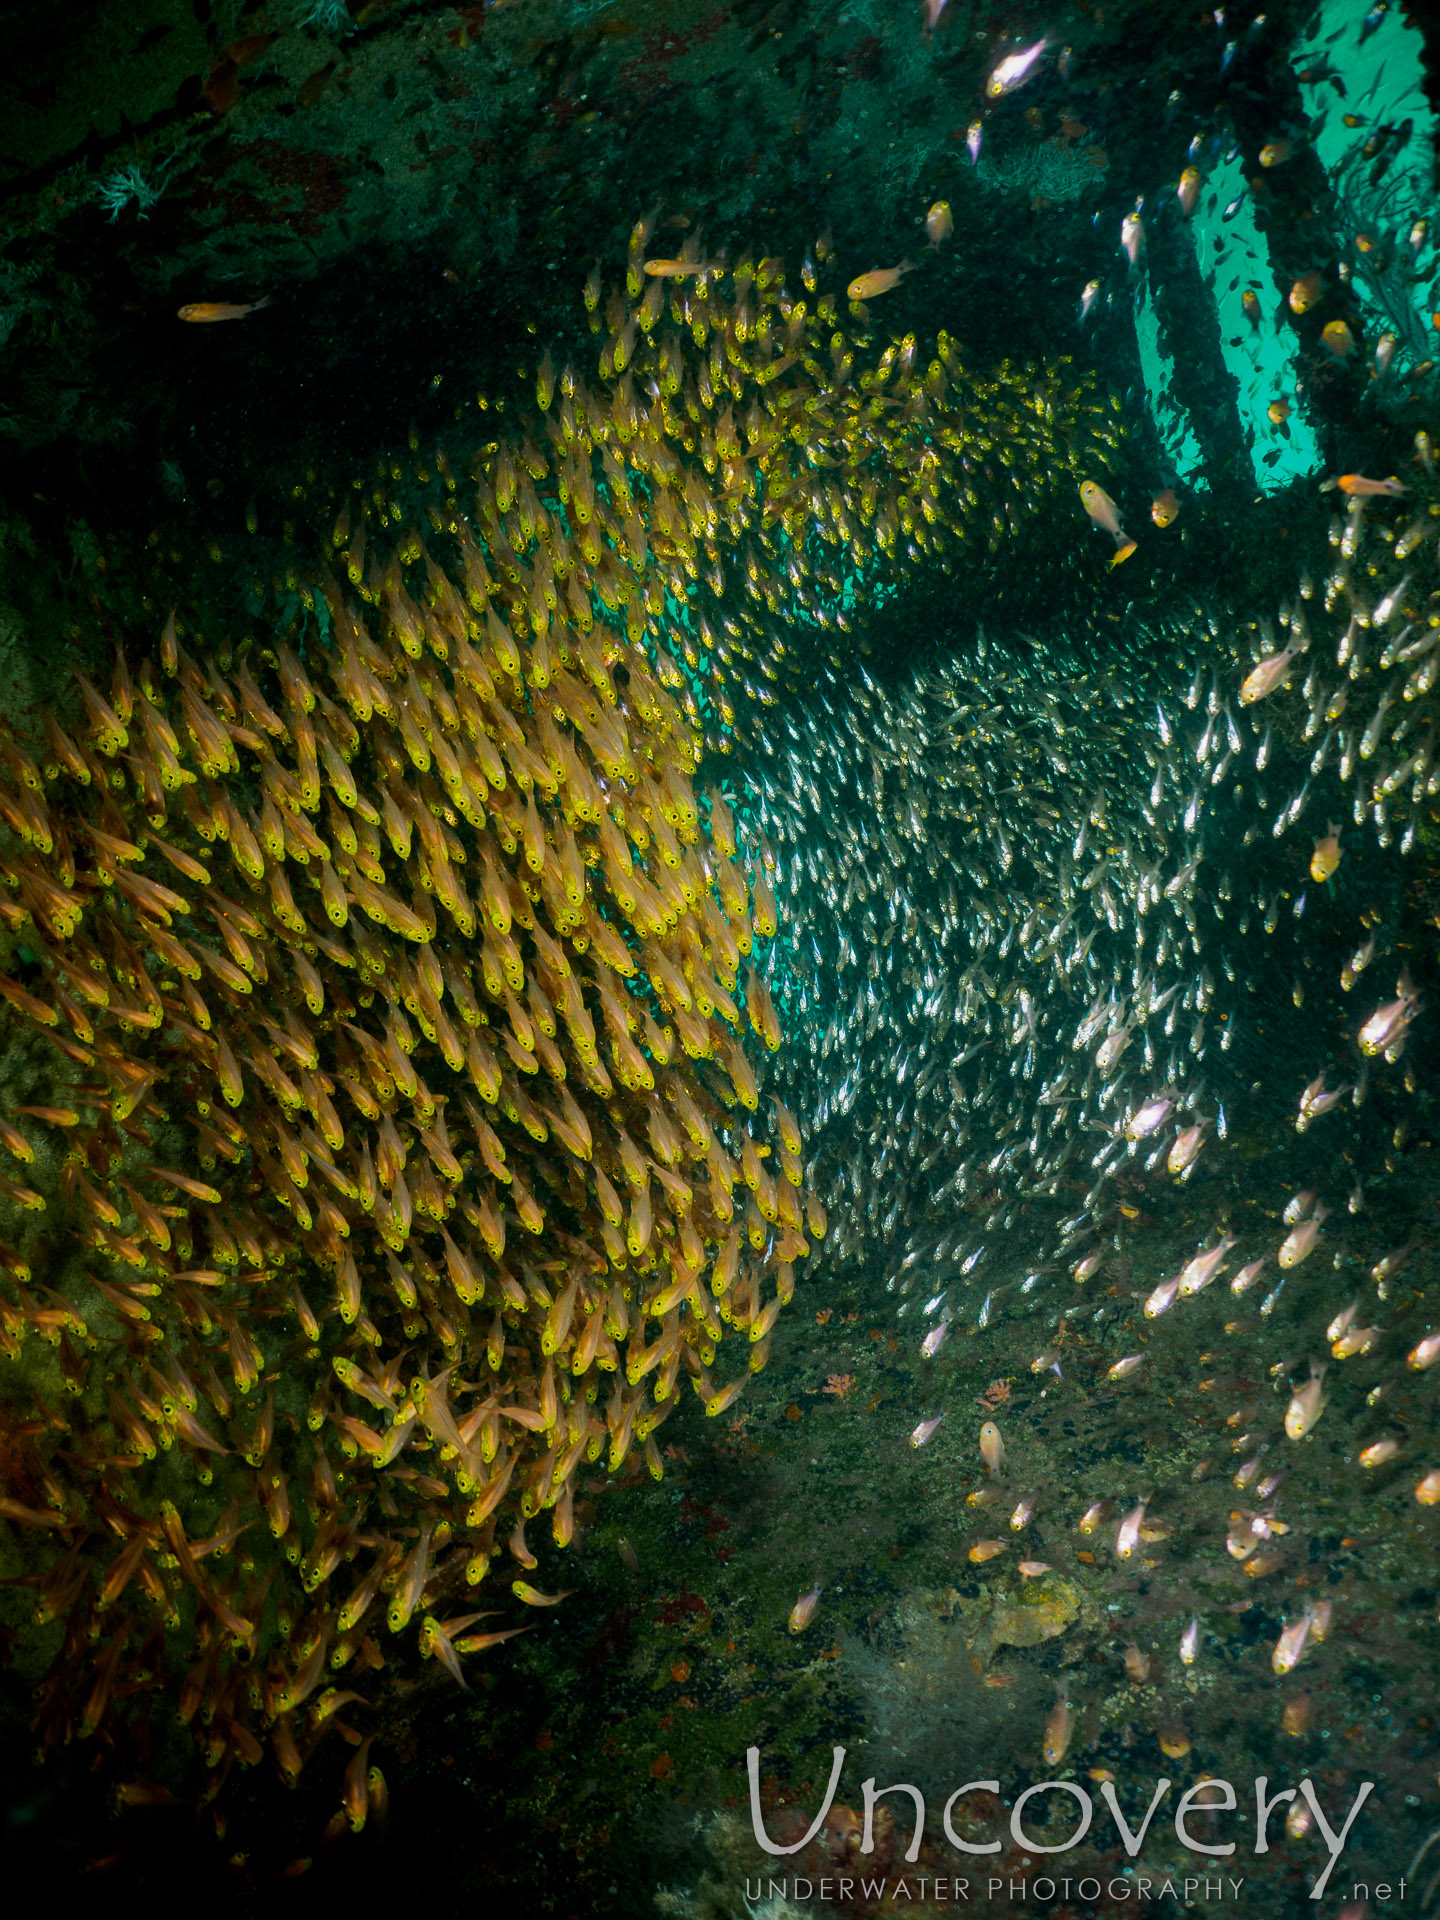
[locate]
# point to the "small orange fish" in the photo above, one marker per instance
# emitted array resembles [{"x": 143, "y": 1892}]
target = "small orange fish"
[
  {"x": 221, "y": 309},
  {"x": 1279, "y": 412},
  {"x": 186, "y": 1183},
  {"x": 1275, "y": 153},
  {"x": 1188, "y": 191},
  {"x": 1338, "y": 338},
  {"x": 1326, "y": 857},
  {"x": 1164, "y": 508},
  {"x": 1250, "y": 301},
  {"x": 678, "y": 269},
  {"x": 1305, "y": 292},
  {"x": 1356, "y": 484},
  {"x": 939, "y": 223},
  {"x": 869, "y": 286}
]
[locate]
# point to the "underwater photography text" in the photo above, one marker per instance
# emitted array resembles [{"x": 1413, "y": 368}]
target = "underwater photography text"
[{"x": 1210, "y": 1795}]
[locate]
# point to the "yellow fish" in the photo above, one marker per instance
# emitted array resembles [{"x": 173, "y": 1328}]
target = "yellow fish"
[
  {"x": 1305, "y": 292},
  {"x": 868, "y": 286},
  {"x": 1326, "y": 857},
  {"x": 679, "y": 269}
]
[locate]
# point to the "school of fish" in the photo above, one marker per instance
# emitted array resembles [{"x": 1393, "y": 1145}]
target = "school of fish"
[
  {"x": 1055, "y": 941},
  {"x": 406, "y": 964}
]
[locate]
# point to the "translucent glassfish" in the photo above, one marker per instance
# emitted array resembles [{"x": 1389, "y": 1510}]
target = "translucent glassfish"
[
  {"x": 1127, "y": 1540},
  {"x": 803, "y": 1610},
  {"x": 1014, "y": 70},
  {"x": 1301, "y": 1240},
  {"x": 1306, "y": 1405}
]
